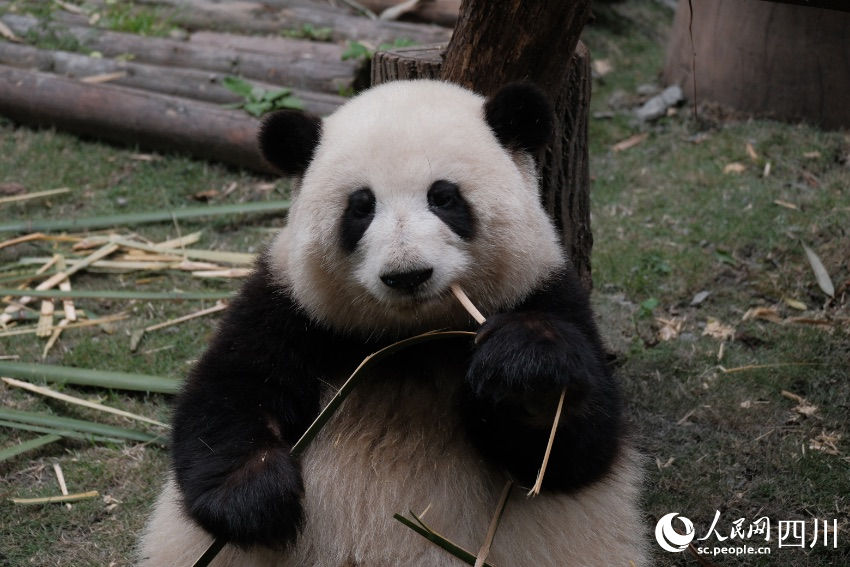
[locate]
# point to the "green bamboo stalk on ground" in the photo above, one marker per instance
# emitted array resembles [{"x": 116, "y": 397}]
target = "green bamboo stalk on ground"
[
  {"x": 63, "y": 433},
  {"x": 129, "y": 219},
  {"x": 89, "y": 377},
  {"x": 16, "y": 450},
  {"x": 78, "y": 425}
]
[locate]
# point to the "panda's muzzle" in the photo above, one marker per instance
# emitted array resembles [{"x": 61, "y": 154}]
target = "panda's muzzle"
[{"x": 409, "y": 281}]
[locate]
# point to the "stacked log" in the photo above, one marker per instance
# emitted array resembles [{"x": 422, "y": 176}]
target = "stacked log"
[{"x": 165, "y": 93}]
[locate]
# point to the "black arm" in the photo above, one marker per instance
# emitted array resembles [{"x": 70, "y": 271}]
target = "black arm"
[
  {"x": 246, "y": 402},
  {"x": 523, "y": 360}
]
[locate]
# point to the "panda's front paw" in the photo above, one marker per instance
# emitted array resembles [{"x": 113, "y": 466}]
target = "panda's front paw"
[
  {"x": 523, "y": 356},
  {"x": 257, "y": 502}
]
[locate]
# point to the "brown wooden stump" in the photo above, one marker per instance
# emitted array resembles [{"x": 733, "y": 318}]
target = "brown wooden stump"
[
  {"x": 766, "y": 58},
  {"x": 565, "y": 179}
]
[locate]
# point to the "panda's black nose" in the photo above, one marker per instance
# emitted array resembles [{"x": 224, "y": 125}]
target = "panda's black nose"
[{"x": 407, "y": 281}]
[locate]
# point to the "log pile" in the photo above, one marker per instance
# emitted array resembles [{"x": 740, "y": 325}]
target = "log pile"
[{"x": 166, "y": 93}]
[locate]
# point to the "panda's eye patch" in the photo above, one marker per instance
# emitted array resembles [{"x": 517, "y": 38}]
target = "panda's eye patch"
[
  {"x": 447, "y": 203},
  {"x": 357, "y": 217},
  {"x": 361, "y": 203}
]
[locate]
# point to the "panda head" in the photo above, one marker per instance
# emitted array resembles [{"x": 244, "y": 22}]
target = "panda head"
[{"x": 410, "y": 187}]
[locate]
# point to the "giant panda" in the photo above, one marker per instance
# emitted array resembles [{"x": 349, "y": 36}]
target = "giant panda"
[{"x": 406, "y": 189}]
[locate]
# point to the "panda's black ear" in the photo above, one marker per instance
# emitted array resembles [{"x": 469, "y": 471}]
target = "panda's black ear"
[
  {"x": 288, "y": 139},
  {"x": 521, "y": 116}
]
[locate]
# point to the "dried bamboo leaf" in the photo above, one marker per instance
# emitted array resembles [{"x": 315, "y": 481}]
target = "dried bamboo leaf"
[
  {"x": 438, "y": 540},
  {"x": 538, "y": 484},
  {"x": 822, "y": 276},
  {"x": 494, "y": 525}
]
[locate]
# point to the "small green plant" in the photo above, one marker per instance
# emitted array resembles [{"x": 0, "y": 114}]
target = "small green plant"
[
  {"x": 311, "y": 32},
  {"x": 258, "y": 101},
  {"x": 357, "y": 50},
  {"x": 647, "y": 307},
  {"x": 125, "y": 17}
]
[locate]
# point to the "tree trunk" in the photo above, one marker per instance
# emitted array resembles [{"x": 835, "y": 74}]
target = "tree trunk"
[
  {"x": 128, "y": 116},
  {"x": 496, "y": 43},
  {"x": 770, "y": 59}
]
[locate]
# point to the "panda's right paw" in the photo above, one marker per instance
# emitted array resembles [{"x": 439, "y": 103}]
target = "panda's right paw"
[{"x": 257, "y": 503}]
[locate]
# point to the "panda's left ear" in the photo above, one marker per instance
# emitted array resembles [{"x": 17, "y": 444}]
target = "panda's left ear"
[
  {"x": 521, "y": 116},
  {"x": 288, "y": 139}
]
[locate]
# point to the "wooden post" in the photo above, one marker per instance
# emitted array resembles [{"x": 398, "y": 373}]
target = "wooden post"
[
  {"x": 535, "y": 40},
  {"x": 776, "y": 60}
]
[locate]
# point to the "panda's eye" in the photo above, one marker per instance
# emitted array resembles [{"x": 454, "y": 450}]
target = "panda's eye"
[
  {"x": 443, "y": 195},
  {"x": 361, "y": 204}
]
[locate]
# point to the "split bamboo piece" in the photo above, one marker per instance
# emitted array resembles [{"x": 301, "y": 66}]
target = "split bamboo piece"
[
  {"x": 60, "y": 478},
  {"x": 41, "y": 390}
]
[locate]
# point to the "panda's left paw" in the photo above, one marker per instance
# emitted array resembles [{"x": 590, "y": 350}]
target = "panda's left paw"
[{"x": 528, "y": 355}]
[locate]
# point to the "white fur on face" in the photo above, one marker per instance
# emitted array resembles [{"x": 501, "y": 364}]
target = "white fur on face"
[{"x": 398, "y": 139}]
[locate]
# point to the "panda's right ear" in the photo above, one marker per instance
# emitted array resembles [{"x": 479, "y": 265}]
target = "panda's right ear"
[{"x": 288, "y": 139}]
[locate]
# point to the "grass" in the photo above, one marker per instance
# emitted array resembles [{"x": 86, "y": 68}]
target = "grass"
[{"x": 667, "y": 222}]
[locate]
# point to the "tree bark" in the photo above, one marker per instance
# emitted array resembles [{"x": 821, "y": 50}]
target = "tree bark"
[
  {"x": 770, "y": 59},
  {"x": 406, "y": 63},
  {"x": 189, "y": 83},
  {"x": 535, "y": 40},
  {"x": 132, "y": 117}
]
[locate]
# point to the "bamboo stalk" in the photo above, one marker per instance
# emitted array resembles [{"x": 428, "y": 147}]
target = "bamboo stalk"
[
  {"x": 52, "y": 328},
  {"x": 16, "y": 450},
  {"x": 89, "y": 377},
  {"x": 53, "y": 499},
  {"x": 79, "y": 401},
  {"x": 36, "y": 195},
  {"x": 79, "y": 425},
  {"x": 494, "y": 525},
  {"x": 538, "y": 484},
  {"x": 180, "y": 241},
  {"x": 22, "y": 239},
  {"x": 438, "y": 540},
  {"x": 61, "y": 433},
  {"x": 118, "y": 294},
  {"x": 467, "y": 303},
  {"x": 60, "y": 478},
  {"x": 65, "y": 285},
  {"x": 214, "y": 309},
  {"x": 54, "y": 337},
  {"x": 136, "y": 336},
  {"x": 129, "y": 219}
]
